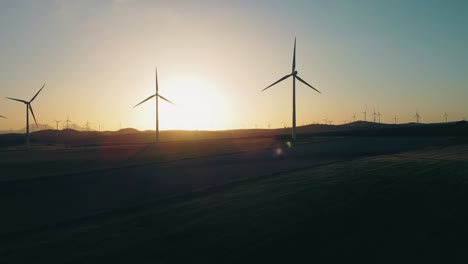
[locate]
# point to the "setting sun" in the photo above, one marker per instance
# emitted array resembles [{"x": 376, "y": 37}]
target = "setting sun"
[{"x": 199, "y": 106}]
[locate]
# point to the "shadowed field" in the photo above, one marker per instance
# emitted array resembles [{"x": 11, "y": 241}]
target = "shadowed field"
[
  {"x": 56, "y": 161},
  {"x": 398, "y": 207}
]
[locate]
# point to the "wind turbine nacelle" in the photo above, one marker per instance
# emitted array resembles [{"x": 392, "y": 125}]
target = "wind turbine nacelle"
[{"x": 295, "y": 73}]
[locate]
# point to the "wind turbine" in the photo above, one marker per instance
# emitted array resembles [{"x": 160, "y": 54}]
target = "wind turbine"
[
  {"x": 295, "y": 76},
  {"x": 354, "y": 117},
  {"x": 87, "y": 125},
  {"x": 68, "y": 122},
  {"x": 395, "y": 120},
  {"x": 374, "y": 114},
  {"x": 378, "y": 115},
  {"x": 445, "y": 115},
  {"x": 365, "y": 114},
  {"x": 417, "y": 116},
  {"x": 28, "y": 108},
  {"x": 57, "y": 122},
  {"x": 157, "y": 95}
]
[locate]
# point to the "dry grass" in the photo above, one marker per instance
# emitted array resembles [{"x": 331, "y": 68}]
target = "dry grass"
[
  {"x": 51, "y": 162},
  {"x": 408, "y": 207}
]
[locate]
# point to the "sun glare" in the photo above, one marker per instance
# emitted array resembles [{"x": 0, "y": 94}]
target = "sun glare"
[{"x": 198, "y": 106}]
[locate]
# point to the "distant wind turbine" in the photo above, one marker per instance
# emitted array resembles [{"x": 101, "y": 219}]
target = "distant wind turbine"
[
  {"x": 395, "y": 120},
  {"x": 365, "y": 114},
  {"x": 354, "y": 117},
  {"x": 87, "y": 125},
  {"x": 445, "y": 115},
  {"x": 28, "y": 108},
  {"x": 295, "y": 76},
  {"x": 157, "y": 95},
  {"x": 374, "y": 114},
  {"x": 379, "y": 115},
  {"x": 57, "y": 122},
  {"x": 417, "y": 116},
  {"x": 67, "y": 122}
]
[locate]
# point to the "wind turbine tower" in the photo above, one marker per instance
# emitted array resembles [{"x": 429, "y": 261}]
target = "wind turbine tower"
[
  {"x": 87, "y": 125},
  {"x": 56, "y": 123},
  {"x": 445, "y": 116},
  {"x": 28, "y": 108},
  {"x": 157, "y": 95},
  {"x": 374, "y": 115},
  {"x": 67, "y": 122},
  {"x": 417, "y": 116},
  {"x": 365, "y": 114},
  {"x": 295, "y": 76}
]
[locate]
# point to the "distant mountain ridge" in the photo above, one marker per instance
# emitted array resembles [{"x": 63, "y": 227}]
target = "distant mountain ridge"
[
  {"x": 40, "y": 127},
  {"x": 72, "y": 137}
]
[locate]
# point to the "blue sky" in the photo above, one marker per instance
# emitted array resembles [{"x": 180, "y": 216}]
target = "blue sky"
[{"x": 214, "y": 57}]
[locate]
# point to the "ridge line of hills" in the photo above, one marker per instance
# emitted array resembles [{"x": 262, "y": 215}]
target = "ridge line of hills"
[{"x": 134, "y": 136}]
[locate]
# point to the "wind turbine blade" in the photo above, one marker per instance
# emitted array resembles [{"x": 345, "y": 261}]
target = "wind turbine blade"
[
  {"x": 2, "y": 116},
  {"x": 304, "y": 82},
  {"x": 282, "y": 79},
  {"x": 37, "y": 93},
  {"x": 145, "y": 100},
  {"x": 19, "y": 100},
  {"x": 294, "y": 56},
  {"x": 32, "y": 112},
  {"x": 156, "y": 72},
  {"x": 167, "y": 100}
]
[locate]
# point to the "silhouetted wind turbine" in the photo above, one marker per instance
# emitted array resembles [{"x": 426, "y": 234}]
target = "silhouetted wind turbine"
[
  {"x": 157, "y": 95},
  {"x": 365, "y": 114},
  {"x": 354, "y": 117},
  {"x": 395, "y": 120},
  {"x": 374, "y": 114},
  {"x": 28, "y": 108},
  {"x": 57, "y": 122},
  {"x": 68, "y": 122},
  {"x": 378, "y": 115},
  {"x": 87, "y": 125},
  {"x": 445, "y": 115},
  {"x": 417, "y": 116},
  {"x": 295, "y": 76}
]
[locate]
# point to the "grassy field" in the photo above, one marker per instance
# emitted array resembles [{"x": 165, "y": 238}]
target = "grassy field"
[
  {"x": 408, "y": 207},
  {"x": 44, "y": 161}
]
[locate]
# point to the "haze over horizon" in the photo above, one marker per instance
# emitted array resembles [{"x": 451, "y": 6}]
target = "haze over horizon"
[{"x": 97, "y": 59}]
